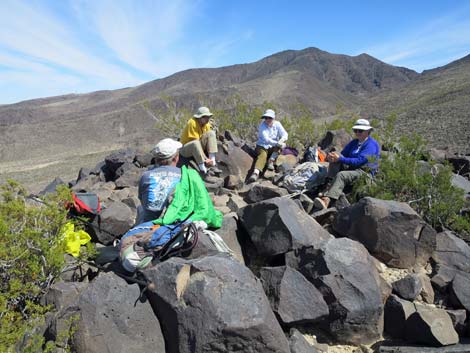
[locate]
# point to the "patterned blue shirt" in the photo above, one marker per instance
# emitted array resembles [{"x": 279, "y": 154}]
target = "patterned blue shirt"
[{"x": 155, "y": 187}]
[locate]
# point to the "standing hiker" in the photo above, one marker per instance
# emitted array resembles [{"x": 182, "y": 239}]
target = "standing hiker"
[
  {"x": 359, "y": 157},
  {"x": 199, "y": 140},
  {"x": 272, "y": 138},
  {"x": 156, "y": 185}
]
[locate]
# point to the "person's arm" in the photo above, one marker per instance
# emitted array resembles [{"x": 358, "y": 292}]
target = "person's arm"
[
  {"x": 360, "y": 159},
  {"x": 282, "y": 134},
  {"x": 191, "y": 132},
  {"x": 264, "y": 138}
]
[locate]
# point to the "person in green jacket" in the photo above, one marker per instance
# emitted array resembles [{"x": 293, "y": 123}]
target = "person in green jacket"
[{"x": 191, "y": 201}]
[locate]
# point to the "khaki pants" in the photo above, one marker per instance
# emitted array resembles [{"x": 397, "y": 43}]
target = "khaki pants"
[
  {"x": 342, "y": 178},
  {"x": 197, "y": 148},
  {"x": 263, "y": 155}
]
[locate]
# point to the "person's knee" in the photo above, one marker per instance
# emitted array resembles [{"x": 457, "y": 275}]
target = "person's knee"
[
  {"x": 343, "y": 175},
  {"x": 211, "y": 133}
]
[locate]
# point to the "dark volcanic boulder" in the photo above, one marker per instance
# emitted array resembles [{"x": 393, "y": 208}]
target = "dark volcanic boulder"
[
  {"x": 114, "y": 221},
  {"x": 392, "y": 231},
  {"x": 63, "y": 296},
  {"x": 427, "y": 291},
  {"x": 213, "y": 304},
  {"x": 443, "y": 277},
  {"x": 452, "y": 251},
  {"x": 294, "y": 299},
  {"x": 110, "y": 322},
  {"x": 460, "y": 291},
  {"x": 408, "y": 287},
  {"x": 458, "y": 318},
  {"x": 129, "y": 177},
  {"x": 265, "y": 191},
  {"x": 229, "y": 233},
  {"x": 116, "y": 160},
  {"x": 396, "y": 312},
  {"x": 233, "y": 160},
  {"x": 430, "y": 326},
  {"x": 461, "y": 164},
  {"x": 279, "y": 225},
  {"x": 343, "y": 271},
  {"x": 298, "y": 343},
  {"x": 52, "y": 187}
]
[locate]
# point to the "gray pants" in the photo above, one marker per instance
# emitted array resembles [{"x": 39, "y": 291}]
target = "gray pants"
[
  {"x": 342, "y": 178},
  {"x": 197, "y": 148}
]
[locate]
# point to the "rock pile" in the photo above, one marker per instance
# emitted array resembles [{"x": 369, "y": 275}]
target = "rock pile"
[{"x": 292, "y": 273}]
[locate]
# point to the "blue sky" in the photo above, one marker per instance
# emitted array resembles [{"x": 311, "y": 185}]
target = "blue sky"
[{"x": 58, "y": 47}]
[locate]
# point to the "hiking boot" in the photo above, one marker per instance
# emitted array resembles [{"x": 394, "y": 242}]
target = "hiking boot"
[
  {"x": 270, "y": 165},
  {"x": 214, "y": 171},
  {"x": 253, "y": 178},
  {"x": 321, "y": 203}
]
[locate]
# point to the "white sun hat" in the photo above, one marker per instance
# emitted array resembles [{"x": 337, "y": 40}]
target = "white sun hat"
[
  {"x": 166, "y": 148},
  {"x": 201, "y": 112},
  {"x": 362, "y": 124},
  {"x": 269, "y": 113}
]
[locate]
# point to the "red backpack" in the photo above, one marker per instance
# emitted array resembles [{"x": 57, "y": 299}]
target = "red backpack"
[{"x": 86, "y": 203}]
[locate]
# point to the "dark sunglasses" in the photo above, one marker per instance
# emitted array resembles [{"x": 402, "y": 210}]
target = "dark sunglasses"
[
  {"x": 267, "y": 118},
  {"x": 357, "y": 131}
]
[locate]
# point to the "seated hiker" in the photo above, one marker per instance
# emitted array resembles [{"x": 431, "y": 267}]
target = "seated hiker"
[
  {"x": 199, "y": 140},
  {"x": 272, "y": 138},
  {"x": 358, "y": 158},
  {"x": 157, "y": 184}
]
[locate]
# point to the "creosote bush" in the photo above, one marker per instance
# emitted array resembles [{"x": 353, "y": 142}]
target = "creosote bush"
[
  {"x": 407, "y": 174},
  {"x": 31, "y": 258}
]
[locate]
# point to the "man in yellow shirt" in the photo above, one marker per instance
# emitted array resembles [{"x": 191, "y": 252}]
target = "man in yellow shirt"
[{"x": 198, "y": 139}]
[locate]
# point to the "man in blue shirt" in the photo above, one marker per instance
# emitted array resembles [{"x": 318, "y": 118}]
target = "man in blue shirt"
[
  {"x": 156, "y": 185},
  {"x": 359, "y": 157}
]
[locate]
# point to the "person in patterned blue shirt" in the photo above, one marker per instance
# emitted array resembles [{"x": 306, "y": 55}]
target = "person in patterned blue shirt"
[{"x": 157, "y": 185}]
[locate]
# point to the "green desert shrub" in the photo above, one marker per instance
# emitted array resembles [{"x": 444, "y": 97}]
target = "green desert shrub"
[
  {"x": 31, "y": 258},
  {"x": 407, "y": 174},
  {"x": 241, "y": 119}
]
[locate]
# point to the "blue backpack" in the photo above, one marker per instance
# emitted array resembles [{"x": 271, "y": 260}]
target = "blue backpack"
[{"x": 148, "y": 242}]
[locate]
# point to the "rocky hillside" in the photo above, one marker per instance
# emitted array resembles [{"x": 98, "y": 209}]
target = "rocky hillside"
[
  {"x": 42, "y": 136},
  {"x": 71, "y": 124},
  {"x": 436, "y": 105}
]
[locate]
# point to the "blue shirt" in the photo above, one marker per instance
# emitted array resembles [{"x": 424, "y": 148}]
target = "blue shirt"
[
  {"x": 155, "y": 187},
  {"x": 269, "y": 136},
  {"x": 356, "y": 154}
]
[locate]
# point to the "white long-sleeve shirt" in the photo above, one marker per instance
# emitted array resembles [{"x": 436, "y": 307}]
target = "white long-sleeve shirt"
[{"x": 269, "y": 136}]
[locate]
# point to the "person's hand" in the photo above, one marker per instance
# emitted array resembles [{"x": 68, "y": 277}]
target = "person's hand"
[
  {"x": 209, "y": 162},
  {"x": 281, "y": 145},
  {"x": 332, "y": 157}
]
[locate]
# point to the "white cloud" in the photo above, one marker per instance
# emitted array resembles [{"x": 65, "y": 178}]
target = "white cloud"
[
  {"x": 144, "y": 37},
  {"x": 34, "y": 33},
  {"x": 436, "y": 43}
]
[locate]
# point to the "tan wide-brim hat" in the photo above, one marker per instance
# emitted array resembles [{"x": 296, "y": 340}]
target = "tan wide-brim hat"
[{"x": 203, "y": 111}]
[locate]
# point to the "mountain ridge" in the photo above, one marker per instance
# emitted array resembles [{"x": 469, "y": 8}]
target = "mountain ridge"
[{"x": 103, "y": 120}]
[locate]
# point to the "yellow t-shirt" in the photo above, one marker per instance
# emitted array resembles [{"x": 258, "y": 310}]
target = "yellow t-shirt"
[{"x": 193, "y": 131}]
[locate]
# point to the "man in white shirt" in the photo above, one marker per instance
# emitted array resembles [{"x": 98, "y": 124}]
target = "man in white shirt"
[{"x": 272, "y": 138}]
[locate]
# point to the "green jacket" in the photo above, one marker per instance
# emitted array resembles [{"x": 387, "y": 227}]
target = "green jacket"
[{"x": 191, "y": 196}]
